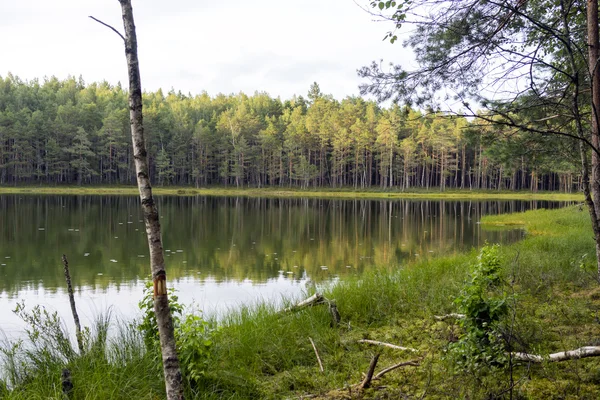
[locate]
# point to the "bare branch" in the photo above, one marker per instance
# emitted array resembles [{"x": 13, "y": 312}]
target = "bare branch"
[
  {"x": 108, "y": 26},
  {"x": 391, "y": 346},
  {"x": 317, "y": 354},
  {"x": 412, "y": 363},
  {"x": 369, "y": 377}
]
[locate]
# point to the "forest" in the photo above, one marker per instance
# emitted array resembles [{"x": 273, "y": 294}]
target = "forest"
[{"x": 57, "y": 132}]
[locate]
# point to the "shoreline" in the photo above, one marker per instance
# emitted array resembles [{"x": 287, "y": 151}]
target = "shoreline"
[{"x": 349, "y": 193}]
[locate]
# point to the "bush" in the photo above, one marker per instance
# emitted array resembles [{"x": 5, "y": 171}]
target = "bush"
[
  {"x": 193, "y": 334},
  {"x": 480, "y": 344}
]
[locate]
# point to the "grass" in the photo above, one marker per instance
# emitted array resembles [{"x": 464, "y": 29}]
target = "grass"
[
  {"x": 349, "y": 193},
  {"x": 111, "y": 368},
  {"x": 261, "y": 353}
]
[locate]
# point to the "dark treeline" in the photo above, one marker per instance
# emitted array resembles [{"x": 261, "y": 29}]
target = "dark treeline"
[{"x": 67, "y": 132}]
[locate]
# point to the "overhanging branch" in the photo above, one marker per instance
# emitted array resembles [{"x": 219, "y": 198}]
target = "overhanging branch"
[{"x": 108, "y": 26}]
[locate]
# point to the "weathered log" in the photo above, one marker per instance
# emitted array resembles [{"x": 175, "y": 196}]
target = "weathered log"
[
  {"x": 391, "y": 346},
  {"x": 313, "y": 300},
  {"x": 582, "y": 352}
]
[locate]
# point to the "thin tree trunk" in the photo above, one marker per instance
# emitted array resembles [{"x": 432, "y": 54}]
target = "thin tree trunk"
[
  {"x": 391, "y": 166},
  {"x": 172, "y": 371},
  {"x": 442, "y": 178},
  {"x": 464, "y": 167},
  {"x": 72, "y": 302}
]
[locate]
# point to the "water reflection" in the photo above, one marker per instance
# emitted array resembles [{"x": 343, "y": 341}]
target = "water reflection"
[
  {"x": 230, "y": 238},
  {"x": 216, "y": 244}
]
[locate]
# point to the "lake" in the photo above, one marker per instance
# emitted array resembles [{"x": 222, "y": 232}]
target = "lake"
[{"x": 220, "y": 251}]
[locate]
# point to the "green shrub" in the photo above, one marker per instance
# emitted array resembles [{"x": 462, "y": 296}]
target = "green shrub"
[
  {"x": 480, "y": 345},
  {"x": 193, "y": 334}
]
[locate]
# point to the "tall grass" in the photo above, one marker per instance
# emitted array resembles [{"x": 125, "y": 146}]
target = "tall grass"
[
  {"x": 558, "y": 249},
  {"x": 114, "y": 366}
]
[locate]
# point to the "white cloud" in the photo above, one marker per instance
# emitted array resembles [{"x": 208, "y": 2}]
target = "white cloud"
[{"x": 279, "y": 47}]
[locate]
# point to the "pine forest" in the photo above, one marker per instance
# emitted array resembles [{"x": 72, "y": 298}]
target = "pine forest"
[{"x": 68, "y": 132}]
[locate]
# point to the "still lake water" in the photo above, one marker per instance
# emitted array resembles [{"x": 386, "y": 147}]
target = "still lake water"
[{"x": 220, "y": 251}]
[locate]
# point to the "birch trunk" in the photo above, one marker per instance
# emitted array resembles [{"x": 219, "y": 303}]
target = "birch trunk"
[
  {"x": 170, "y": 360},
  {"x": 582, "y": 352}
]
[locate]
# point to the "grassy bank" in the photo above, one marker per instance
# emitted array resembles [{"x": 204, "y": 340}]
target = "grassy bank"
[
  {"x": 345, "y": 193},
  {"x": 553, "y": 304}
]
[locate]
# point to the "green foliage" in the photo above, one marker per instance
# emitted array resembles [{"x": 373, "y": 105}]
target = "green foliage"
[
  {"x": 460, "y": 44},
  {"x": 480, "y": 345},
  {"x": 194, "y": 343},
  {"x": 70, "y": 133},
  {"x": 193, "y": 334},
  {"x": 398, "y": 15},
  {"x": 585, "y": 264},
  {"x": 44, "y": 328},
  {"x": 109, "y": 368},
  {"x": 148, "y": 325}
]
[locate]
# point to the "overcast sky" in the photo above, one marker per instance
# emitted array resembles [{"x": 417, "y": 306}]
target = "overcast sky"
[{"x": 220, "y": 46}]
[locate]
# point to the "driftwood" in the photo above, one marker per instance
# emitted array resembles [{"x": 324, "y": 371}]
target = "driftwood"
[
  {"x": 317, "y": 354},
  {"x": 449, "y": 316},
  {"x": 582, "y": 352},
  {"x": 313, "y": 300},
  {"x": 72, "y": 301},
  {"x": 391, "y": 346}
]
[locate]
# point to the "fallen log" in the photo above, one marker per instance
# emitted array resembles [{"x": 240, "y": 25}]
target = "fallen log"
[
  {"x": 391, "y": 346},
  {"x": 313, "y": 300},
  {"x": 582, "y": 352}
]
